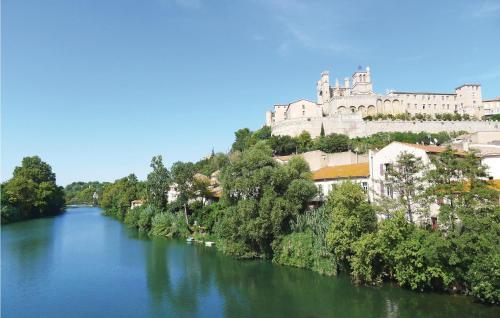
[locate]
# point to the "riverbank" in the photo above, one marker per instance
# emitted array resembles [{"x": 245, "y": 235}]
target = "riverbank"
[
  {"x": 71, "y": 265},
  {"x": 173, "y": 227}
]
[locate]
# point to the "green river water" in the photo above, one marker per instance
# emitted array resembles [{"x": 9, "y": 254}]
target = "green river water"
[{"x": 82, "y": 264}]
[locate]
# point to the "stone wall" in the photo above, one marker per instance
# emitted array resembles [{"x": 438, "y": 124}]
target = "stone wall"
[{"x": 354, "y": 126}]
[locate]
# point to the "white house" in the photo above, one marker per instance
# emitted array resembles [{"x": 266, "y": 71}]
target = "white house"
[
  {"x": 379, "y": 162},
  {"x": 487, "y": 145}
]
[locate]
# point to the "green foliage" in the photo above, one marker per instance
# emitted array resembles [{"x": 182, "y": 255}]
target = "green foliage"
[
  {"x": 145, "y": 217},
  {"x": 420, "y": 117},
  {"x": 32, "y": 192},
  {"x": 169, "y": 225},
  {"x": 283, "y": 145},
  {"x": 207, "y": 216},
  {"x": 83, "y": 192},
  {"x": 495, "y": 117},
  {"x": 382, "y": 139},
  {"x": 261, "y": 198},
  {"x": 132, "y": 217},
  {"x": 352, "y": 216},
  {"x": 406, "y": 177},
  {"x": 158, "y": 183},
  {"x": 306, "y": 246},
  {"x": 208, "y": 166},
  {"x": 484, "y": 277},
  {"x": 331, "y": 143},
  {"x": 296, "y": 249},
  {"x": 422, "y": 261},
  {"x": 116, "y": 197},
  {"x": 304, "y": 142}
]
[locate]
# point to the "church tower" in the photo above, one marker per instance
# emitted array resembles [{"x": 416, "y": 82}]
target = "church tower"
[
  {"x": 362, "y": 82},
  {"x": 323, "y": 89}
]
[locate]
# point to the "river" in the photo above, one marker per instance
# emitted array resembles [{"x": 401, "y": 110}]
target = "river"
[{"x": 83, "y": 264}]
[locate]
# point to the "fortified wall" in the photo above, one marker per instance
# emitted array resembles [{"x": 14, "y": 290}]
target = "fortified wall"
[{"x": 353, "y": 125}]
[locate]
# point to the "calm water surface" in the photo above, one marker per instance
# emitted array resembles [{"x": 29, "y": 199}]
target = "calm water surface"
[{"x": 82, "y": 264}]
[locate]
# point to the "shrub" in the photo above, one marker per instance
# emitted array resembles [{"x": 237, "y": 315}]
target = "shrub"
[
  {"x": 484, "y": 277},
  {"x": 296, "y": 249},
  {"x": 132, "y": 217},
  {"x": 169, "y": 225},
  {"x": 145, "y": 216}
]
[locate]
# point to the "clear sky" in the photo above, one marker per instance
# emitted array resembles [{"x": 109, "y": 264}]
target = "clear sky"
[{"x": 97, "y": 87}]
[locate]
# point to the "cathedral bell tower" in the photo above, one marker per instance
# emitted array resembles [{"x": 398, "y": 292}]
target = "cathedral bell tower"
[{"x": 323, "y": 89}]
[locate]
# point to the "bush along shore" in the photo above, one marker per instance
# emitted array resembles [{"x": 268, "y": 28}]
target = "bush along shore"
[
  {"x": 264, "y": 212},
  {"x": 31, "y": 193}
]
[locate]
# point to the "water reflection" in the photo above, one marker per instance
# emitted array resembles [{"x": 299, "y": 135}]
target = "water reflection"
[
  {"x": 86, "y": 265},
  {"x": 29, "y": 251}
]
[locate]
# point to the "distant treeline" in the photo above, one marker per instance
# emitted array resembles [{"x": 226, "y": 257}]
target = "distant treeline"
[
  {"x": 32, "y": 192},
  {"x": 84, "y": 192},
  {"x": 286, "y": 145}
]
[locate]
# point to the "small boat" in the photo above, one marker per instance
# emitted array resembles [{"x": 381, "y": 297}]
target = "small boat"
[
  {"x": 189, "y": 239},
  {"x": 209, "y": 243}
]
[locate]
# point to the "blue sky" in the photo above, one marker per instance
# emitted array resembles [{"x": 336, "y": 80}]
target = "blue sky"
[{"x": 97, "y": 87}]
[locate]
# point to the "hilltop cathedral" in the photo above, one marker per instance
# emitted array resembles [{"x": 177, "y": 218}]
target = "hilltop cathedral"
[{"x": 341, "y": 105}]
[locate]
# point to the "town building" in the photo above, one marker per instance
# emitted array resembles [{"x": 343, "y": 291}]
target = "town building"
[
  {"x": 491, "y": 107},
  {"x": 341, "y": 109},
  {"x": 136, "y": 203},
  {"x": 327, "y": 177},
  {"x": 487, "y": 146},
  {"x": 381, "y": 160},
  {"x": 318, "y": 159}
]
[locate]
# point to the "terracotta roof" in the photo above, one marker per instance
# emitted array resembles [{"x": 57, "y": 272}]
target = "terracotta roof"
[
  {"x": 217, "y": 192},
  {"x": 426, "y": 148},
  {"x": 343, "y": 171},
  {"x": 495, "y": 184},
  {"x": 492, "y": 100},
  {"x": 201, "y": 177}
]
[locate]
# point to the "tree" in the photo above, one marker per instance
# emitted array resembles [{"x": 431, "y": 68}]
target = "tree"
[
  {"x": 303, "y": 142},
  {"x": 283, "y": 145},
  {"x": 352, "y": 216},
  {"x": 332, "y": 143},
  {"x": 117, "y": 196},
  {"x": 322, "y": 132},
  {"x": 189, "y": 185},
  {"x": 158, "y": 183},
  {"x": 32, "y": 192},
  {"x": 261, "y": 198},
  {"x": 406, "y": 177},
  {"x": 242, "y": 139}
]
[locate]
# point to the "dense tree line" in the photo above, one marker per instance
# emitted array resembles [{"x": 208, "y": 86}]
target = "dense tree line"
[
  {"x": 32, "y": 192},
  {"x": 286, "y": 145},
  {"x": 80, "y": 192},
  {"x": 462, "y": 254},
  {"x": 264, "y": 212}
]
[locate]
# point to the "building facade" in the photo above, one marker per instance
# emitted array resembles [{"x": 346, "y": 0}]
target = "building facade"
[{"x": 343, "y": 107}]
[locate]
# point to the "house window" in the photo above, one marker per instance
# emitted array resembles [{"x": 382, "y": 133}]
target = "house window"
[
  {"x": 320, "y": 190},
  {"x": 389, "y": 191},
  {"x": 364, "y": 185},
  {"x": 434, "y": 222}
]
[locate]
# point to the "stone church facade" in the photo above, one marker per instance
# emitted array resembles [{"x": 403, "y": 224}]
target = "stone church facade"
[{"x": 342, "y": 107}]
